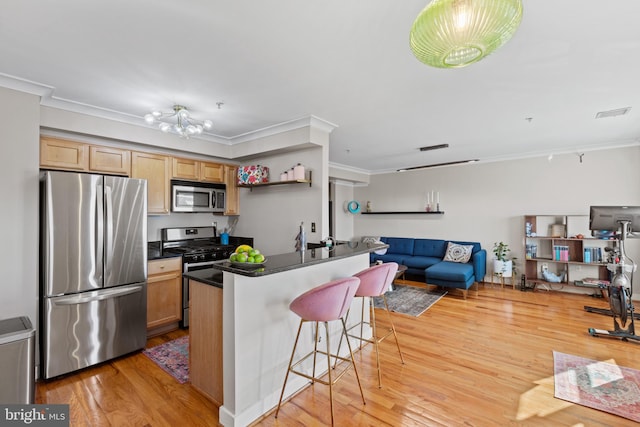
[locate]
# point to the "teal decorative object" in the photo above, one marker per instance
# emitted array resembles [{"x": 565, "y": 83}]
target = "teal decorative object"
[{"x": 456, "y": 33}]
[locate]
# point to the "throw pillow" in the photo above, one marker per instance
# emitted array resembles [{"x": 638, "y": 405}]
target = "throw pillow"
[{"x": 458, "y": 253}]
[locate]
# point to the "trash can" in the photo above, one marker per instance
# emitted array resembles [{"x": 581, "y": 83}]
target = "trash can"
[{"x": 17, "y": 365}]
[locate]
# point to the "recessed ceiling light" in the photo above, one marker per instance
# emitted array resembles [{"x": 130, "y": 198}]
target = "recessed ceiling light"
[{"x": 612, "y": 113}]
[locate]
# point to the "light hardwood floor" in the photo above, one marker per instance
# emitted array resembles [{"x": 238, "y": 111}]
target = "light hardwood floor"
[{"x": 486, "y": 361}]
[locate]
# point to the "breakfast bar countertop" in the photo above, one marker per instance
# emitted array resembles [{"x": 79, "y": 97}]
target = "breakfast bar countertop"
[{"x": 286, "y": 262}]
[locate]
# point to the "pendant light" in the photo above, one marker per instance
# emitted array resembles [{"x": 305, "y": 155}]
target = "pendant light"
[{"x": 456, "y": 33}]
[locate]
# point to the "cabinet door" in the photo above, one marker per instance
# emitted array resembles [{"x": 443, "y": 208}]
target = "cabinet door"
[
  {"x": 164, "y": 292},
  {"x": 156, "y": 169},
  {"x": 205, "y": 340},
  {"x": 233, "y": 196},
  {"x": 211, "y": 172},
  {"x": 186, "y": 169},
  {"x": 61, "y": 154},
  {"x": 110, "y": 160}
]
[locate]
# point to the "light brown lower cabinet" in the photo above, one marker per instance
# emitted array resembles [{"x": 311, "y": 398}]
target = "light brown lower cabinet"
[
  {"x": 205, "y": 340},
  {"x": 164, "y": 295}
]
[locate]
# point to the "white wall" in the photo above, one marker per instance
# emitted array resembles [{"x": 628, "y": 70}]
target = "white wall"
[
  {"x": 343, "y": 219},
  {"x": 486, "y": 202},
  {"x": 272, "y": 215},
  {"x": 19, "y": 142}
]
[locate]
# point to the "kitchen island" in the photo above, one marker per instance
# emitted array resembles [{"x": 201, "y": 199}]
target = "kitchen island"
[{"x": 257, "y": 328}]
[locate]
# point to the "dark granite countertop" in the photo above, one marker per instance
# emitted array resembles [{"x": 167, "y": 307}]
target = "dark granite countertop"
[
  {"x": 209, "y": 276},
  {"x": 285, "y": 262},
  {"x": 154, "y": 252}
]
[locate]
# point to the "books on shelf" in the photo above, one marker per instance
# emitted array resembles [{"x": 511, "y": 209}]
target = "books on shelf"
[
  {"x": 591, "y": 282},
  {"x": 592, "y": 255},
  {"x": 531, "y": 251},
  {"x": 560, "y": 253}
]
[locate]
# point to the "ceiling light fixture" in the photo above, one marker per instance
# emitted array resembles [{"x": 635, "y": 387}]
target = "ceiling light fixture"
[
  {"x": 456, "y": 33},
  {"x": 180, "y": 122}
]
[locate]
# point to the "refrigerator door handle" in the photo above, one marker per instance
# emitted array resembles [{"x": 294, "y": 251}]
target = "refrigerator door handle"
[
  {"x": 99, "y": 229},
  {"x": 97, "y": 295},
  {"x": 108, "y": 195}
]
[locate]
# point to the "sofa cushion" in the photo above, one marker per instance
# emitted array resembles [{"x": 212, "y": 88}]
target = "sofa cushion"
[
  {"x": 389, "y": 257},
  {"x": 421, "y": 262},
  {"x": 458, "y": 253},
  {"x": 450, "y": 271},
  {"x": 476, "y": 245},
  {"x": 429, "y": 248},
  {"x": 399, "y": 245}
]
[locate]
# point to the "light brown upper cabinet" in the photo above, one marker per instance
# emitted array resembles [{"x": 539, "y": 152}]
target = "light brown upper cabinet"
[
  {"x": 62, "y": 154},
  {"x": 211, "y": 172},
  {"x": 110, "y": 160},
  {"x": 194, "y": 170},
  {"x": 233, "y": 196},
  {"x": 188, "y": 169},
  {"x": 156, "y": 169}
]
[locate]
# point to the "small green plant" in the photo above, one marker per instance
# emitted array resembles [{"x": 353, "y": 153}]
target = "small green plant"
[{"x": 500, "y": 251}]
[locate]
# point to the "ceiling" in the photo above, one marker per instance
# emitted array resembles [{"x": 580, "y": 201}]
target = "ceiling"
[{"x": 347, "y": 63}]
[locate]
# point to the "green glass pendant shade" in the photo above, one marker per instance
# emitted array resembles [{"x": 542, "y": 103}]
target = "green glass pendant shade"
[{"x": 456, "y": 33}]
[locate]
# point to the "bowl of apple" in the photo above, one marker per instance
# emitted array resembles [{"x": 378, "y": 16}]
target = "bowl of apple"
[{"x": 247, "y": 257}]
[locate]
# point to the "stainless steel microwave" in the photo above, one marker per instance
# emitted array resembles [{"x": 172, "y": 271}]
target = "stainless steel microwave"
[{"x": 187, "y": 196}]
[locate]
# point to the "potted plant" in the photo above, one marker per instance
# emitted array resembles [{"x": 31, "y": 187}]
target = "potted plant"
[{"x": 502, "y": 265}]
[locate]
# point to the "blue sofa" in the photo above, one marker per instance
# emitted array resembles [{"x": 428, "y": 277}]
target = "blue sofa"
[{"x": 424, "y": 261}]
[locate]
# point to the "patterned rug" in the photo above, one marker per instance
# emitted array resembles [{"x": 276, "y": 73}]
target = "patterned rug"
[
  {"x": 599, "y": 385},
  {"x": 173, "y": 357},
  {"x": 410, "y": 300}
]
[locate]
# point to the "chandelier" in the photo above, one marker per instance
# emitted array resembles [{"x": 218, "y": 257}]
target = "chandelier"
[
  {"x": 179, "y": 122},
  {"x": 456, "y": 33}
]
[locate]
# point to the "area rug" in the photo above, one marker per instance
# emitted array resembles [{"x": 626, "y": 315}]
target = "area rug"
[
  {"x": 172, "y": 357},
  {"x": 599, "y": 385},
  {"x": 410, "y": 300}
]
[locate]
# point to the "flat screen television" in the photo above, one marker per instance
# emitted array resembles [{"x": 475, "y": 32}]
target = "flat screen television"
[{"x": 608, "y": 218}]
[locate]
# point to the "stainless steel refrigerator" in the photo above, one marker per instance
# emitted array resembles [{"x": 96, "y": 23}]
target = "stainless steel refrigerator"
[{"x": 93, "y": 271}]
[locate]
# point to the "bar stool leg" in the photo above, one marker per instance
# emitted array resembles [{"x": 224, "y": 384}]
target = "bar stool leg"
[
  {"x": 393, "y": 328},
  {"x": 375, "y": 338},
  {"x": 353, "y": 362},
  {"x": 326, "y": 328},
  {"x": 315, "y": 354},
  {"x": 286, "y": 377}
]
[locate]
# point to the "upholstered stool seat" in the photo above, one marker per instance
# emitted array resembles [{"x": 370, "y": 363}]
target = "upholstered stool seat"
[
  {"x": 375, "y": 281},
  {"x": 325, "y": 303}
]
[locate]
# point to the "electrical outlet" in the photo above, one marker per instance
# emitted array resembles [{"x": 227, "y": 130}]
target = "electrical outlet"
[{"x": 313, "y": 227}]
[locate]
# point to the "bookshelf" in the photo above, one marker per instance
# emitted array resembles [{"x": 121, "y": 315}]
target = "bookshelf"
[{"x": 563, "y": 243}]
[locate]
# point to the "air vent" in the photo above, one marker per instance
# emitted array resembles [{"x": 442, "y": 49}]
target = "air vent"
[
  {"x": 434, "y": 147},
  {"x": 613, "y": 113}
]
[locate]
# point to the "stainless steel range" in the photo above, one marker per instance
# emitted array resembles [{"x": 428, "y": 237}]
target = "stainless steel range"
[{"x": 200, "y": 248}]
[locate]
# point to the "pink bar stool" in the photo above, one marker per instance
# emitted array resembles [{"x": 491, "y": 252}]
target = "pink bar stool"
[
  {"x": 324, "y": 303},
  {"x": 374, "y": 282}
]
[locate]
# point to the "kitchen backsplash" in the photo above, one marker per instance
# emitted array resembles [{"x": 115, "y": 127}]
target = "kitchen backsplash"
[{"x": 157, "y": 222}]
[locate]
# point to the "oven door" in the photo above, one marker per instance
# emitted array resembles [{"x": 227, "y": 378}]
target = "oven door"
[
  {"x": 191, "y": 199},
  {"x": 187, "y": 267}
]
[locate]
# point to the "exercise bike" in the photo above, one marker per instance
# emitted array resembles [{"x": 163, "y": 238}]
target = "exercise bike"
[{"x": 620, "y": 290}]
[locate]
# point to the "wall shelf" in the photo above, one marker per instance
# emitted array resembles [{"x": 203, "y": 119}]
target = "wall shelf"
[
  {"x": 404, "y": 212},
  {"x": 268, "y": 184}
]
